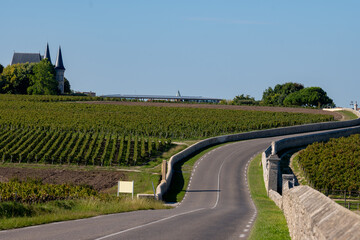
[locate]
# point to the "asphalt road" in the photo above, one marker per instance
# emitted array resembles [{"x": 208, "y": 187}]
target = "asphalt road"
[{"x": 217, "y": 205}]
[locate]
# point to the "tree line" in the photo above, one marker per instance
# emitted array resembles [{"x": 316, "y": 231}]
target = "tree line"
[
  {"x": 288, "y": 94},
  {"x": 30, "y": 78}
]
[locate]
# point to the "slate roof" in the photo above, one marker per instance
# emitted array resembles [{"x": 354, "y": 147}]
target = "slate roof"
[
  {"x": 59, "y": 62},
  {"x": 47, "y": 53},
  {"x": 26, "y": 57}
]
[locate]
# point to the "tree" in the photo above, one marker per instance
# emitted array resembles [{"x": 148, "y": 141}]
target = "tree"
[
  {"x": 244, "y": 100},
  {"x": 309, "y": 97},
  {"x": 43, "y": 81},
  {"x": 15, "y": 79},
  {"x": 277, "y": 95},
  {"x": 1, "y": 68},
  {"x": 66, "y": 86}
]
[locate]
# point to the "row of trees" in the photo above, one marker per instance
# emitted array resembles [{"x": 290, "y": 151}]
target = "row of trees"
[
  {"x": 289, "y": 94},
  {"x": 30, "y": 78}
]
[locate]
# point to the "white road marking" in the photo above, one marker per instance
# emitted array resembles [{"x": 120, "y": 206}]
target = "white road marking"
[
  {"x": 33, "y": 227},
  {"x": 148, "y": 224},
  {"x": 242, "y": 235},
  {"x": 218, "y": 193},
  {"x": 246, "y": 230}
]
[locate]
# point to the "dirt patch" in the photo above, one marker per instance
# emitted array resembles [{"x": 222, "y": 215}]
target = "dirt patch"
[
  {"x": 337, "y": 116},
  {"x": 100, "y": 180}
]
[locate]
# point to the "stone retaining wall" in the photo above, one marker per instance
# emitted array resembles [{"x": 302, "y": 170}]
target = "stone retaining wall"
[
  {"x": 312, "y": 215},
  {"x": 309, "y": 213}
]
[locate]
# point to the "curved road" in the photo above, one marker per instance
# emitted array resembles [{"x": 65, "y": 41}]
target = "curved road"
[{"x": 217, "y": 205}]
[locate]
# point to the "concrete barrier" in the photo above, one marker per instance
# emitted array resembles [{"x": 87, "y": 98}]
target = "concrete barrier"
[{"x": 164, "y": 186}]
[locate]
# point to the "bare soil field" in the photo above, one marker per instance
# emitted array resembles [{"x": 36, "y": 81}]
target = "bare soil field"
[
  {"x": 337, "y": 116},
  {"x": 100, "y": 180}
]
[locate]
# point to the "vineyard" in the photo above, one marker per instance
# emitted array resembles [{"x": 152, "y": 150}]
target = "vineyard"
[
  {"x": 33, "y": 191},
  {"x": 72, "y": 147},
  {"x": 333, "y": 165},
  {"x": 49, "y": 129},
  {"x": 160, "y": 122}
]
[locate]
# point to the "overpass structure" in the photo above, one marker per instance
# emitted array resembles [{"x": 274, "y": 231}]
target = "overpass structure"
[{"x": 197, "y": 99}]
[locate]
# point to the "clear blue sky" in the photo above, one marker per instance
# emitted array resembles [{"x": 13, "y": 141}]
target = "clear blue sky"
[{"x": 202, "y": 48}]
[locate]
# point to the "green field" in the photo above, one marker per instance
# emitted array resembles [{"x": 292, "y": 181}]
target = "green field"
[
  {"x": 334, "y": 165},
  {"x": 160, "y": 122},
  {"x": 56, "y": 130},
  {"x": 36, "y": 145},
  {"x": 49, "y": 129}
]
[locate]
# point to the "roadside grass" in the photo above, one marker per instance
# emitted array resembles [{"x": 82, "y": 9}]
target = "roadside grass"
[
  {"x": 347, "y": 115},
  {"x": 270, "y": 222},
  {"x": 16, "y": 215}
]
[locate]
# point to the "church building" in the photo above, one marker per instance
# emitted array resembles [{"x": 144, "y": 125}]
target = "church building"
[{"x": 36, "y": 57}]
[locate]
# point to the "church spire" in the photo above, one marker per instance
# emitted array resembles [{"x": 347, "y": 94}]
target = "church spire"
[
  {"x": 47, "y": 53},
  {"x": 59, "y": 62}
]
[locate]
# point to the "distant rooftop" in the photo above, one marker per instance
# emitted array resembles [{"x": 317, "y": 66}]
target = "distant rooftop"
[{"x": 26, "y": 57}]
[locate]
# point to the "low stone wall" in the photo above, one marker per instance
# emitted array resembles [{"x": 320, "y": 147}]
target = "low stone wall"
[
  {"x": 265, "y": 166},
  {"x": 276, "y": 197},
  {"x": 312, "y": 215},
  {"x": 164, "y": 185},
  {"x": 309, "y": 213}
]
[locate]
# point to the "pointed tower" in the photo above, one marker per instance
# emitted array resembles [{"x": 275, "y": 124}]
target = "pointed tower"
[
  {"x": 47, "y": 53},
  {"x": 59, "y": 71}
]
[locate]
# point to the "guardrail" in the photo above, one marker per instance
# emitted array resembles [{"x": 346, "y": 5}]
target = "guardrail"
[{"x": 164, "y": 185}]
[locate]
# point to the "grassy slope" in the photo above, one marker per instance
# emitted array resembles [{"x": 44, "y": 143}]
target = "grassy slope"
[
  {"x": 22, "y": 215},
  {"x": 270, "y": 222},
  {"x": 347, "y": 115}
]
